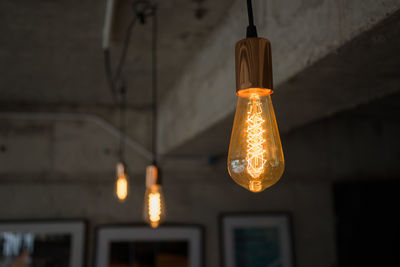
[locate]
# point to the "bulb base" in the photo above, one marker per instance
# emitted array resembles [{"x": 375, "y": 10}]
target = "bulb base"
[
  {"x": 153, "y": 176},
  {"x": 253, "y": 64},
  {"x": 120, "y": 169}
]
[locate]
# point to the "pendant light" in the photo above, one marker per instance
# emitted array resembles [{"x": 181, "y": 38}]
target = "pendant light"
[
  {"x": 255, "y": 157},
  {"x": 154, "y": 210},
  {"x": 118, "y": 92},
  {"x": 142, "y": 10},
  {"x": 121, "y": 183}
]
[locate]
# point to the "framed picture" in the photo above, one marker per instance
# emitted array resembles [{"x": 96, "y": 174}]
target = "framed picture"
[
  {"x": 42, "y": 243},
  {"x": 256, "y": 240},
  {"x": 140, "y": 246}
]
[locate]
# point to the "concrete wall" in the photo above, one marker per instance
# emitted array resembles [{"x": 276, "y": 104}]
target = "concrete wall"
[
  {"x": 361, "y": 144},
  {"x": 191, "y": 199}
]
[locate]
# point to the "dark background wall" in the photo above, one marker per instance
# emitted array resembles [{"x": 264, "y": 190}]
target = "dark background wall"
[{"x": 341, "y": 174}]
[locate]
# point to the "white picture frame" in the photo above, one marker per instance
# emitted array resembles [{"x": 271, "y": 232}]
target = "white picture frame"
[
  {"x": 264, "y": 239},
  {"x": 106, "y": 235},
  {"x": 18, "y": 235}
]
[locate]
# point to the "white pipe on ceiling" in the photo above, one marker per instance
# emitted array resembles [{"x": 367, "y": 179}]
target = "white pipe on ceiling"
[{"x": 108, "y": 21}]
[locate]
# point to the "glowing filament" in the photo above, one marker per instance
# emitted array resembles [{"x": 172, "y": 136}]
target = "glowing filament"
[
  {"x": 255, "y": 141},
  {"x": 122, "y": 188},
  {"x": 154, "y": 209}
]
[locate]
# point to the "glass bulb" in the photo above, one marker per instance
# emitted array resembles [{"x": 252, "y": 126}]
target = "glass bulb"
[
  {"x": 154, "y": 206},
  {"x": 255, "y": 157},
  {"x": 121, "y": 184},
  {"x": 121, "y": 188}
]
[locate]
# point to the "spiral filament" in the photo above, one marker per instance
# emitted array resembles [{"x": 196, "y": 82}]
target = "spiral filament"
[
  {"x": 255, "y": 157},
  {"x": 154, "y": 209},
  {"x": 122, "y": 188},
  {"x": 121, "y": 184},
  {"x": 255, "y": 140}
]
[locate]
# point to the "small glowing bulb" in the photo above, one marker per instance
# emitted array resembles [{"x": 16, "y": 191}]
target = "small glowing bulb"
[
  {"x": 121, "y": 185},
  {"x": 154, "y": 206},
  {"x": 122, "y": 188},
  {"x": 255, "y": 157}
]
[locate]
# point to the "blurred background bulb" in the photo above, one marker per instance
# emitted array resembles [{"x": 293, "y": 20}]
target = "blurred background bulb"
[
  {"x": 121, "y": 184},
  {"x": 255, "y": 157},
  {"x": 154, "y": 211},
  {"x": 154, "y": 206}
]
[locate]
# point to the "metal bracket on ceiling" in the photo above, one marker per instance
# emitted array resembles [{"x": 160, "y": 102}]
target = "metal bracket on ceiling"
[
  {"x": 200, "y": 11},
  {"x": 141, "y": 8}
]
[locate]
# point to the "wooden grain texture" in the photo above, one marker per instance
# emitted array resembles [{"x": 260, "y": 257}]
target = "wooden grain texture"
[{"x": 253, "y": 64}]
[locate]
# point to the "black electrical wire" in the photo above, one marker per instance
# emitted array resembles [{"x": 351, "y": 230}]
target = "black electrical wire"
[
  {"x": 116, "y": 84},
  {"x": 250, "y": 13},
  {"x": 251, "y": 29},
  {"x": 122, "y": 121},
  {"x": 114, "y": 79},
  {"x": 154, "y": 84},
  {"x": 142, "y": 9},
  {"x": 117, "y": 87},
  {"x": 109, "y": 75},
  {"x": 124, "y": 49}
]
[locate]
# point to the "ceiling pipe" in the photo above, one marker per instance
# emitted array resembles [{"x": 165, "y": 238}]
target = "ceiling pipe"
[{"x": 108, "y": 21}]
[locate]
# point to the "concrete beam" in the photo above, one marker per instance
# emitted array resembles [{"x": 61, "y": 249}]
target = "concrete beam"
[
  {"x": 64, "y": 145},
  {"x": 302, "y": 33},
  {"x": 80, "y": 117}
]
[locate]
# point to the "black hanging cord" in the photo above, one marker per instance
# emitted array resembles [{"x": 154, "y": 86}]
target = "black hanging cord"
[
  {"x": 142, "y": 9},
  {"x": 251, "y": 29},
  {"x": 124, "y": 49},
  {"x": 122, "y": 121},
  {"x": 114, "y": 79},
  {"x": 154, "y": 84},
  {"x": 117, "y": 87},
  {"x": 109, "y": 75}
]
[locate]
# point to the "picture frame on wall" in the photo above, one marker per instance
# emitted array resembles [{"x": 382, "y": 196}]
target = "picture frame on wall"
[
  {"x": 60, "y": 243},
  {"x": 141, "y": 245},
  {"x": 256, "y": 240}
]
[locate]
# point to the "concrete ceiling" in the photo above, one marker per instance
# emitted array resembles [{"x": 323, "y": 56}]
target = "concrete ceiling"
[
  {"x": 361, "y": 72},
  {"x": 50, "y": 51},
  {"x": 332, "y": 57},
  {"x": 51, "y": 61}
]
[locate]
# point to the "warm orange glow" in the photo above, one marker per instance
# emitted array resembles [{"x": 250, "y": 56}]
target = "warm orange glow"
[
  {"x": 255, "y": 158},
  {"x": 121, "y": 184},
  {"x": 122, "y": 188},
  {"x": 255, "y": 140},
  {"x": 251, "y": 91},
  {"x": 154, "y": 209}
]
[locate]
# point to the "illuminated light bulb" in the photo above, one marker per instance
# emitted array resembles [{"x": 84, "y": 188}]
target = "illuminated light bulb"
[
  {"x": 121, "y": 185},
  {"x": 255, "y": 157},
  {"x": 154, "y": 207},
  {"x": 154, "y": 211}
]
